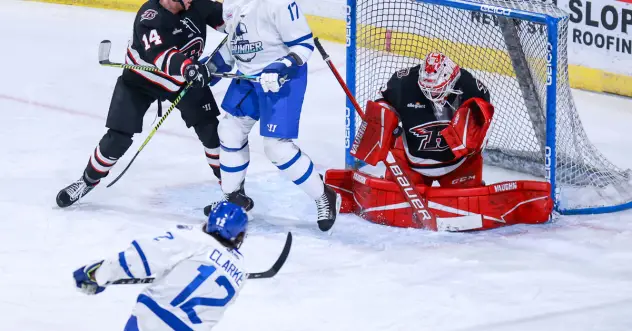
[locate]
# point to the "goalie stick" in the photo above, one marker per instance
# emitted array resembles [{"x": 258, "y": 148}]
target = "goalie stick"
[
  {"x": 104, "y": 60},
  {"x": 421, "y": 211},
  {"x": 104, "y": 53},
  {"x": 256, "y": 275}
]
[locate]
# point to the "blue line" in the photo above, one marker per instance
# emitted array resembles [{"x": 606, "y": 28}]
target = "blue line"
[
  {"x": 123, "y": 264},
  {"x": 166, "y": 316},
  {"x": 290, "y": 162},
  {"x": 298, "y": 41},
  {"x": 234, "y": 169},
  {"x": 228, "y": 149},
  {"x": 142, "y": 257},
  {"x": 306, "y": 175}
]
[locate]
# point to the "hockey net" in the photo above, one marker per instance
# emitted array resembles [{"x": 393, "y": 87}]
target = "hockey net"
[{"x": 512, "y": 57}]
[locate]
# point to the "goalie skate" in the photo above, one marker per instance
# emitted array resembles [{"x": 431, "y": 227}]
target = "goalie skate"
[{"x": 73, "y": 192}]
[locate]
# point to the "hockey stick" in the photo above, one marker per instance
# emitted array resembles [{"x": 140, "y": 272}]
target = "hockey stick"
[
  {"x": 256, "y": 275},
  {"x": 421, "y": 212},
  {"x": 104, "y": 50},
  {"x": 104, "y": 60}
]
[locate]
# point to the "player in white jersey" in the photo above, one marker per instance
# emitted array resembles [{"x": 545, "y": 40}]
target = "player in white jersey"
[
  {"x": 270, "y": 39},
  {"x": 198, "y": 273}
]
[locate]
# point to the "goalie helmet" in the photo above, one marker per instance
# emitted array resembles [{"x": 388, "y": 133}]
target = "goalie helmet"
[{"x": 437, "y": 76}]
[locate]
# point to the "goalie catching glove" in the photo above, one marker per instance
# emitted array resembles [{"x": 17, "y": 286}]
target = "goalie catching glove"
[
  {"x": 377, "y": 133},
  {"x": 467, "y": 131}
]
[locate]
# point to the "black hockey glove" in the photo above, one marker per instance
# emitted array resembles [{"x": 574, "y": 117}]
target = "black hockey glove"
[{"x": 198, "y": 74}]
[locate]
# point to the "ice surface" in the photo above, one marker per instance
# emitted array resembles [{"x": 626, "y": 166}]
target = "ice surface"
[{"x": 572, "y": 274}]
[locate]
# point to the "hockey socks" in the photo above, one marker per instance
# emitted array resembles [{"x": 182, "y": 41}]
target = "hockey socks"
[
  {"x": 212, "y": 157},
  {"x": 295, "y": 165},
  {"x": 111, "y": 147},
  {"x": 233, "y": 165}
]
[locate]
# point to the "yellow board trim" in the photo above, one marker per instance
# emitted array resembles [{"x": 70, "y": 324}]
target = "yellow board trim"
[
  {"x": 580, "y": 77},
  {"x": 124, "y": 5},
  {"x": 335, "y": 30}
]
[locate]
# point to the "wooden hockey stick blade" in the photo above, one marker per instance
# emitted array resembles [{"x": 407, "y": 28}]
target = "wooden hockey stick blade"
[
  {"x": 257, "y": 275},
  {"x": 104, "y": 52}
]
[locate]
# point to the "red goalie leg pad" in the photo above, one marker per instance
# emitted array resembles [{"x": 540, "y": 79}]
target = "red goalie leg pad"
[
  {"x": 341, "y": 181},
  {"x": 481, "y": 208},
  {"x": 381, "y": 201},
  {"x": 499, "y": 204},
  {"x": 375, "y": 136}
]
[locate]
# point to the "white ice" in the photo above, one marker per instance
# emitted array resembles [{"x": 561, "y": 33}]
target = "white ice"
[{"x": 572, "y": 274}]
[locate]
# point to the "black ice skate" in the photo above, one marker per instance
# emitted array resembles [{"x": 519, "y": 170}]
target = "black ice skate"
[
  {"x": 328, "y": 208},
  {"x": 73, "y": 192},
  {"x": 238, "y": 197}
]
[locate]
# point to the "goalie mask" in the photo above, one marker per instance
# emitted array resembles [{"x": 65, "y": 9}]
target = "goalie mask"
[{"x": 437, "y": 76}]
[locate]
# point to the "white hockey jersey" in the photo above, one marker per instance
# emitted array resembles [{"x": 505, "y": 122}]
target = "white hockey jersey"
[
  {"x": 262, "y": 31},
  {"x": 196, "y": 279}
]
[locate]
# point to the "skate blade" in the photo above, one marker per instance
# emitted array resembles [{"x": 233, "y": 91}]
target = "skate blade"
[{"x": 338, "y": 205}]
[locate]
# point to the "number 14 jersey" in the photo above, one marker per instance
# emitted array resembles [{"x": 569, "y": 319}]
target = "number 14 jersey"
[{"x": 167, "y": 40}]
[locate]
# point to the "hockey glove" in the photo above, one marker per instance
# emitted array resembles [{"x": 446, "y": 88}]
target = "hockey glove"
[
  {"x": 216, "y": 64},
  {"x": 467, "y": 131},
  {"x": 278, "y": 72},
  {"x": 197, "y": 74},
  {"x": 377, "y": 133},
  {"x": 85, "y": 279}
]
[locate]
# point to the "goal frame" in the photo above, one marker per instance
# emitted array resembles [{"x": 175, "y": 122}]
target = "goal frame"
[{"x": 552, "y": 24}]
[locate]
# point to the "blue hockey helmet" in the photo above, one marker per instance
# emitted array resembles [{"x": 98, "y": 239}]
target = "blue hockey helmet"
[{"x": 228, "y": 221}]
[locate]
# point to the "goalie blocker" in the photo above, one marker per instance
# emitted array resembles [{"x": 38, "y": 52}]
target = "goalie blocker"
[{"x": 476, "y": 207}]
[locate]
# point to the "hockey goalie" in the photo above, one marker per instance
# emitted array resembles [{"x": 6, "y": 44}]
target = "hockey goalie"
[{"x": 429, "y": 125}]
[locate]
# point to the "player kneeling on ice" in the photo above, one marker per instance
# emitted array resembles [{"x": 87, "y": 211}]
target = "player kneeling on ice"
[
  {"x": 270, "y": 39},
  {"x": 198, "y": 273},
  {"x": 443, "y": 114}
]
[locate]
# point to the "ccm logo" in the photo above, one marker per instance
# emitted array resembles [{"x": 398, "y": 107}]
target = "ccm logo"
[
  {"x": 408, "y": 189},
  {"x": 463, "y": 179},
  {"x": 496, "y": 10}
]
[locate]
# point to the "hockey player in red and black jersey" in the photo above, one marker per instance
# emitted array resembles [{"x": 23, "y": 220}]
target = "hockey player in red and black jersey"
[
  {"x": 442, "y": 113},
  {"x": 168, "y": 34}
]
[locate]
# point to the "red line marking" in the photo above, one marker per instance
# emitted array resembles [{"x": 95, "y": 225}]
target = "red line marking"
[
  {"x": 626, "y": 1},
  {"x": 78, "y": 113}
]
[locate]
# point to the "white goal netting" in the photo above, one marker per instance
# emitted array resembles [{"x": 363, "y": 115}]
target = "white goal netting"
[{"x": 512, "y": 57}]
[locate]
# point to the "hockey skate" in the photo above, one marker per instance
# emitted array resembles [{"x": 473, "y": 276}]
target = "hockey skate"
[
  {"x": 328, "y": 208},
  {"x": 238, "y": 197},
  {"x": 73, "y": 192}
]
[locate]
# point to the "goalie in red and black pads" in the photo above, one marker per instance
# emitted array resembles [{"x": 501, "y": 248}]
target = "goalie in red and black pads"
[
  {"x": 433, "y": 119},
  {"x": 168, "y": 34}
]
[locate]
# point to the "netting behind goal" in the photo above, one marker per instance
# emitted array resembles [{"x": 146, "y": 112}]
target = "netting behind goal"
[{"x": 518, "y": 49}]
